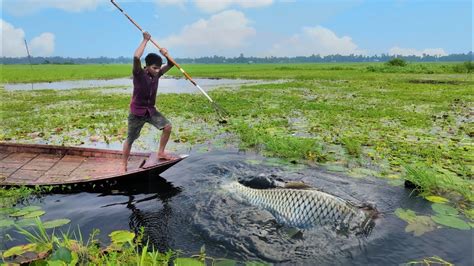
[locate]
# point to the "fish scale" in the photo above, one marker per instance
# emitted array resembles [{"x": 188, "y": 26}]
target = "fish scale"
[{"x": 302, "y": 208}]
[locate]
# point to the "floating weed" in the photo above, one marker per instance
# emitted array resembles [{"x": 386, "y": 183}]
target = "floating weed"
[
  {"x": 335, "y": 167},
  {"x": 416, "y": 224},
  {"x": 428, "y": 181},
  {"x": 451, "y": 221},
  {"x": 435, "y": 260},
  {"x": 27, "y": 211},
  {"x": 362, "y": 172},
  {"x": 396, "y": 182},
  {"x": 55, "y": 223},
  {"x": 448, "y": 216},
  {"x": 436, "y": 199},
  {"x": 352, "y": 146}
]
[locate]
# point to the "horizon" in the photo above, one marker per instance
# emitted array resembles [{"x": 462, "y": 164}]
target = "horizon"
[{"x": 261, "y": 28}]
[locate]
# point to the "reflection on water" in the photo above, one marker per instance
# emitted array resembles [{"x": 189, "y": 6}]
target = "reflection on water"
[
  {"x": 125, "y": 85},
  {"x": 186, "y": 208}
]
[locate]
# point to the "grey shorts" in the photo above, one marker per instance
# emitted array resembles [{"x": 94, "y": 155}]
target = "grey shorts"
[{"x": 135, "y": 124}]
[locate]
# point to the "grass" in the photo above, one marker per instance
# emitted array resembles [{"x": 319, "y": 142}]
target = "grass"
[{"x": 382, "y": 116}]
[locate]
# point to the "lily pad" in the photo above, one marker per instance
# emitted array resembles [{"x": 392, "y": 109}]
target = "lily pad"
[
  {"x": 26, "y": 222},
  {"x": 420, "y": 225},
  {"x": 443, "y": 209},
  {"x": 6, "y": 223},
  {"x": 25, "y": 211},
  {"x": 406, "y": 215},
  {"x": 451, "y": 221},
  {"x": 55, "y": 223},
  {"x": 187, "y": 262},
  {"x": 436, "y": 199},
  {"x": 121, "y": 236},
  {"x": 34, "y": 214},
  {"x": 226, "y": 262},
  {"x": 18, "y": 250}
]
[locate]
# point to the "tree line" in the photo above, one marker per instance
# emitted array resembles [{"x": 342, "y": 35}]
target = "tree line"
[{"x": 243, "y": 59}]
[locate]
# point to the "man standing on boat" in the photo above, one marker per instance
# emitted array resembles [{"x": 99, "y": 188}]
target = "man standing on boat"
[{"x": 142, "y": 104}]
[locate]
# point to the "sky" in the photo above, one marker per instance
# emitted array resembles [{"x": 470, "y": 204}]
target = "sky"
[{"x": 196, "y": 28}]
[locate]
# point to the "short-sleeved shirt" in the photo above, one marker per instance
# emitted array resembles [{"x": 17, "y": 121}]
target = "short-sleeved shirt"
[{"x": 145, "y": 87}]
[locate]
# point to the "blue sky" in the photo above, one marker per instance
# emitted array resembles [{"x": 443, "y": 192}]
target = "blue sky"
[{"x": 194, "y": 28}]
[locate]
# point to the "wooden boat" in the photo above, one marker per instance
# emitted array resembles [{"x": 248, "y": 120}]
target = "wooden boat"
[{"x": 34, "y": 164}]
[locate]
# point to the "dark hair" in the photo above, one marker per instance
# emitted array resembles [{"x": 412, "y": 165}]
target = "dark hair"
[{"x": 153, "y": 59}]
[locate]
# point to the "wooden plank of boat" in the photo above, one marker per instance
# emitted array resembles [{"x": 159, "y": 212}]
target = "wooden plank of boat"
[{"x": 36, "y": 164}]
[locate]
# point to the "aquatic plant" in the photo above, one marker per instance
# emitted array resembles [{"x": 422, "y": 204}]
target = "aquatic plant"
[
  {"x": 390, "y": 116},
  {"x": 434, "y": 260}
]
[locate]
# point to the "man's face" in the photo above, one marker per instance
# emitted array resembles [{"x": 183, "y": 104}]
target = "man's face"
[{"x": 153, "y": 69}]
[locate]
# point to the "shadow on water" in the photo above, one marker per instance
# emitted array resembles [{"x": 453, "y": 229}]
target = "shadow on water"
[{"x": 186, "y": 207}]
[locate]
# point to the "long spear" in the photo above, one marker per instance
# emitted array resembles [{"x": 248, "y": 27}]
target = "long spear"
[{"x": 220, "y": 111}]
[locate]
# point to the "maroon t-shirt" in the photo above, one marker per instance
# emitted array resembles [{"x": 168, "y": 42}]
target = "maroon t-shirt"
[{"x": 144, "y": 93}]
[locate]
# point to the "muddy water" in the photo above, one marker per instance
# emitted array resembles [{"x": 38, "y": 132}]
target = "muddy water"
[
  {"x": 186, "y": 208},
  {"x": 167, "y": 85}
]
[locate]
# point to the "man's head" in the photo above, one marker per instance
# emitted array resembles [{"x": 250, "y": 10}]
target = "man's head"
[{"x": 153, "y": 63}]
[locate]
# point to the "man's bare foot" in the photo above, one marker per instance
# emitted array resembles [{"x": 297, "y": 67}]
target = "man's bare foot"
[
  {"x": 166, "y": 156},
  {"x": 124, "y": 168}
]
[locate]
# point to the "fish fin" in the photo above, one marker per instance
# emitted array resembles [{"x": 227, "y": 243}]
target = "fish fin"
[{"x": 297, "y": 185}]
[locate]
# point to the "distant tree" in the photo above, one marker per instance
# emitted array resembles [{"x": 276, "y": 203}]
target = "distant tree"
[{"x": 397, "y": 62}]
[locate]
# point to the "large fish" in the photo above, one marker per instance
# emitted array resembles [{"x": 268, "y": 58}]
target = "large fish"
[{"x": 305, "y": 208}]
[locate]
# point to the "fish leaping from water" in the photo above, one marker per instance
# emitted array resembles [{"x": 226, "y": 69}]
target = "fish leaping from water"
[{"x": 305, "y": 208}]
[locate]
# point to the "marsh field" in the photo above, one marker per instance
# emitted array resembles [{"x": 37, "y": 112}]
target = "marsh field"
[{"x": 362, "y": 121}]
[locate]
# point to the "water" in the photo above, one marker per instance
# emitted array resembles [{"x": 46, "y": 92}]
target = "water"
[
  {"x": 186, "y": 207},
  {"x": 167, "y": 85}
]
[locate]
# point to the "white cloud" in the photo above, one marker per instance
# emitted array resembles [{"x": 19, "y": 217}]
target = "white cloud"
[
  {"x": 25, "y": 7},
  {"x": 13, "y": 42},
  {"x": 43, "y": 45},
  {"x": 315, "y": 40},
  {"x": 411, "y": 51},
  {"x": 213, "y": 6},
  {"x": 222, "y": 34}
]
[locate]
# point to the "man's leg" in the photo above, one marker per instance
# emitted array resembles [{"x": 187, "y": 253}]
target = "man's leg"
[
  {"x": 135, "y": 124},
  {"x": 126, "y": 153},
  {"x": 165, "y": 136}
]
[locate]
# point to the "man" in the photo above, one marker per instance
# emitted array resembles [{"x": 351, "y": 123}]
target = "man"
[{"x": 142, "y": 104}]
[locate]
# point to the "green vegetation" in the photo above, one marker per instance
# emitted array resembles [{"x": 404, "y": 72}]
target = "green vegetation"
[
  {"x": 70, "y": 249},
  {"x": 397, "y": 62},
  {"x": 382, "y": 123},
  {"x": 412, "y": 122}
]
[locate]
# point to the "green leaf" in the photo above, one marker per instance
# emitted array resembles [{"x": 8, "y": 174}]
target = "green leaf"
[
  {"x": 25, "y": 211},
  {"x": 451, "y": 221},
  {"x": 55, "y": 223},
  {"x": 61, "y": 254},
  {"x": 437, "y": 199},
  {"x": 420, "y": 225},
  {"x": 187, "y": 262},
  {"x": 18, "y": 250},
  {"x": 225, "y": 262},
  {"x": 26, "y": 222},
  {"x": 406, "y": 215},
  {"x": 6, "y": 223},
  {"x": 56, "y": 263},
  {"x": 121, "y": 236},
  {"x": 443, "y": 209},
  {"x": 34, "y": 214}
]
